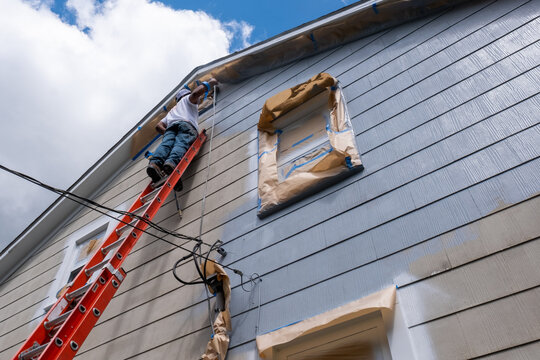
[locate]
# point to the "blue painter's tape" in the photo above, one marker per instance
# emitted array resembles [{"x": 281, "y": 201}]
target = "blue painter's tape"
[
  {"x": 279, "y": 132},
  {"x": 374, "y": 7},
  {"x": 281, "y": 327},
  {"x": 264, "y": 153},
  {"x": 146, "y": 147},
  {"x": 307, "y": 162},
  {"x": 301, "y": 141},
  {"x": 207, "y": 86},
  {"x": 164, "y": 108},
  {"x": 348, "y": 162},
  {"x": 336, "y": 132},
  {"x": 139, "y": 128},
  {"x": 313, "y": 41},
  {"x": 269, "y": 151}
]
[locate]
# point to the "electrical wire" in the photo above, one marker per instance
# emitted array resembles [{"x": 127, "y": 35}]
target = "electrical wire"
[
  {"x": 70, "y": 195},
  {"x": 96, "y": 207}
]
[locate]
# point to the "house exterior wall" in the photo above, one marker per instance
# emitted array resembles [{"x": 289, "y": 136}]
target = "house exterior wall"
[{"x": 445, "y": 112}]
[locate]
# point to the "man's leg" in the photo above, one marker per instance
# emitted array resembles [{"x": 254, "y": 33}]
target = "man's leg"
[
  {"x": 184, "y": 138},
  {"x": 162, "y": 152}
]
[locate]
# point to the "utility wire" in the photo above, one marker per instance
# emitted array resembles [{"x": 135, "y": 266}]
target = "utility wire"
[
  {"x": 70, "y": 195},
  {"x": 96, "y": 207}
]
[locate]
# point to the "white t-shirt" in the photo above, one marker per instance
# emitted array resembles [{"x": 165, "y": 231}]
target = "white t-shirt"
[{"x": 184, "y": 110}]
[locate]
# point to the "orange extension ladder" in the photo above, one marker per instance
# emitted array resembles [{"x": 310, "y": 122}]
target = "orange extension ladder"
[{"x": 67, "y": 324}]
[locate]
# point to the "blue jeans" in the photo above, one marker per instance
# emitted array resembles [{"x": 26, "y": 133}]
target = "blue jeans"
[{"x": 176, "y": 141}]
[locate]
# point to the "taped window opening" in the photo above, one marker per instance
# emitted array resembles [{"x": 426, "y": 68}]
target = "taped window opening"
[
  {"x": 306, "y": 142},
  {"x": 357, "y": 330}
]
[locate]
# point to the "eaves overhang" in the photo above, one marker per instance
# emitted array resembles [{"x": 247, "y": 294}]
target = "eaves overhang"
[{"x": 340, "y": 27}]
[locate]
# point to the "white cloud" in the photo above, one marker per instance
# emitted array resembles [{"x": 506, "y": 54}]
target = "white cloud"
[
  {"x": 85, "y": 11},
  {"x": 243, "y": 29},
  {"x": 69, "y": 92}
]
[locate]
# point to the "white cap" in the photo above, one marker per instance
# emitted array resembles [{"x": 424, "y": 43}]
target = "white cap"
[{"x": 182, "y": 93}]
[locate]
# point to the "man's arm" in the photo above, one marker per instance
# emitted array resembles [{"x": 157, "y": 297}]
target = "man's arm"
[
  {"x": 160, "y": 128},
  {"x": 200, "y": 90}
]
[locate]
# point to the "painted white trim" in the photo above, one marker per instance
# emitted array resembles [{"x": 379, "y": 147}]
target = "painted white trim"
[{"x": 398, "y": 333}]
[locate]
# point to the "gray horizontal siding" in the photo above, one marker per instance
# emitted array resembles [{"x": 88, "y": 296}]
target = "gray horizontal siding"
[
  {"x": 258, "y": 260},
  {"x": 445, "y": 113}
]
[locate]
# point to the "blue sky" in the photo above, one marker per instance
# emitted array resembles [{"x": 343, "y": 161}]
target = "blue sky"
[
  {"x": 268, "y": 18},
  {"x": 78, "y": 74}
]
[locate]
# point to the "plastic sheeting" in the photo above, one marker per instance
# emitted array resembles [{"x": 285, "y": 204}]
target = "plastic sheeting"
[
  {"x": 216, "y": 349},
  {"x": 383, "y": 301},
  {"x": 319, "y": 157}
]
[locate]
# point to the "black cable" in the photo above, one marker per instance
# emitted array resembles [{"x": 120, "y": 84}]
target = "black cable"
[
  {"x": 202, "y": 274},
  {"x": 197, "y": 248},
  {"x": 68, "y": 194},
  {"x": 194, "y": 282},
  {"x": 84, "y": 202}
]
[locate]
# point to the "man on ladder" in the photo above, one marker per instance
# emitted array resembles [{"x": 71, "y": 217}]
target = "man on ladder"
[{"x": 180, "y": 129}]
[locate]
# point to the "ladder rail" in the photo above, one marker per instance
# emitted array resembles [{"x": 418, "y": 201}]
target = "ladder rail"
[{"x": 75, "y": 327}]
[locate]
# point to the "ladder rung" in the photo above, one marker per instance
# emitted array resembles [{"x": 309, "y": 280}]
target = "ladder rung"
[
  {"x": 115, "y": 244},
  {"x": 96, "y": 267},
  {"x": 56, "y": 321},
  {"x": 77, "y": 293},
  {"x": 140, "y": 209},
  {"x": 121, "y": 230},
  {"x": 150, "y": 195},
  {"x": 160, "y": 182},
  {"x": 32, "y": 352}
]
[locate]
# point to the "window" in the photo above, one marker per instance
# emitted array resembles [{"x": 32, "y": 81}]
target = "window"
[
  {"x": 302, "y": 136},
  {"x": 306, "y": 142},
  {"x": 80, "y": 254},
  {"x": 80, "y": 246}
]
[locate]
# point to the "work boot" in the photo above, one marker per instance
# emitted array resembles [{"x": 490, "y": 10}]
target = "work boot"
[
  {"x": 168, "y": 168},
  {"x": 153, "y": 170}
]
